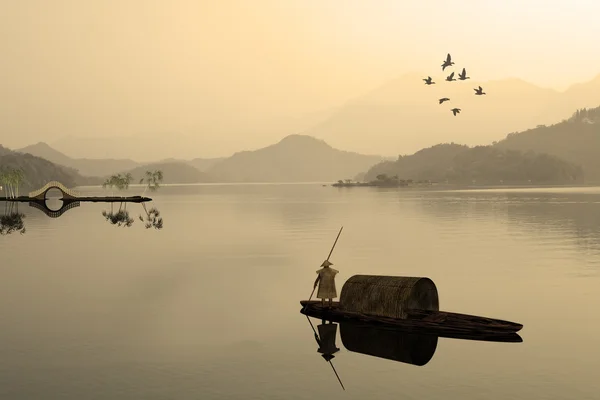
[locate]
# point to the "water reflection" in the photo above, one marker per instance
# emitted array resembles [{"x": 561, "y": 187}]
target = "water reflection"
[
  {"x": 11, "y": 220},
  {"x": 409, "y": 348},
  {"x": 326, "y": 342},
  {"x": 388, "y": 343},
  {"x": 153, "y": 218},
  {"x": 120, "y": 218},
  {"x": 54, "y": 212},
  {"x": 574, "y": 215}
]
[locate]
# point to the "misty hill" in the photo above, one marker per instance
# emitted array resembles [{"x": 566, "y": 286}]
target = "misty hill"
[
  {"x": 577, "y": 96},
  {"x": 576, "y": 140},
  {"x": 86, "y": 167},
  {"x": 174, "y": 172},
  {"x": 404, "y": 114},
  {"x": 296, "y": 158},
  {"x": 249, "y": 132},
  {"x": 38, "y": 171},
  {"x": 4, "y": 150},
  {"x": 485, "y": 164},
  {"x": 203, "y": 164}
]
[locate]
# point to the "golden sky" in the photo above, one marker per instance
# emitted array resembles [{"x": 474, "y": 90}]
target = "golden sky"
[{"x": 234, "y": 69}]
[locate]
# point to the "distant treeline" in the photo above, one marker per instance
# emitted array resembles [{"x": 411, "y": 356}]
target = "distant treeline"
[
  {"x": 460, "y": 164},
  {"x": 576, "y": 140}
]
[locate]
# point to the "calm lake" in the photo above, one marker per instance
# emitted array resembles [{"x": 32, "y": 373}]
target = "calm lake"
[{"x": 208, "y": 307}]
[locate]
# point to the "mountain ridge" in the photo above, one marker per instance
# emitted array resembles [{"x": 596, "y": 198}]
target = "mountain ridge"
[
  {"x": 404, "y": 113},
  {"x": 288, "y": 159},
  {"x": 294, "y": 158},
  {"x": 400, "y": 115},
  {"x": 576, "y": 139},
  {"x": 38, "y": 171}
]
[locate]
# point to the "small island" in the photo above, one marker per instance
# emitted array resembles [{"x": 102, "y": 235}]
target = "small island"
[{"x": 383, "y": 180}]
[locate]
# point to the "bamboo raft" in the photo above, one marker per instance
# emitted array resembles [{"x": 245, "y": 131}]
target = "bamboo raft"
[{"x": 407, "y": 303}]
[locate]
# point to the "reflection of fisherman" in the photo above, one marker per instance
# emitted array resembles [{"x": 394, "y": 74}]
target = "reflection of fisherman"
[
  {"x": 327, "y": 347},
  {"x": 327, "y": 343},
  {"x": 326, "y": 281}
]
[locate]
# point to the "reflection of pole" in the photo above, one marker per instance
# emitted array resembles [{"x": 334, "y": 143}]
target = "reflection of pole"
[
  {"x": 336, "y": 374},
  {"x": 329, "y": 361}
]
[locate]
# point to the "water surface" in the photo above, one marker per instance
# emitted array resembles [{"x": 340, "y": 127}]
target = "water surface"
[{"x": 208, "y": 306}]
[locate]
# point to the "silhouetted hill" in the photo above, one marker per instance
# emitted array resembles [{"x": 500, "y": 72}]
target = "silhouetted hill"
[
  {"x": 38, "y": 171},
  {"x": 404, "y": 114},
  {"x": 427, "y": 164},
  {"x": 576, "y": 140},
  {"x": 87, "y": 167},
  {"x": 173, "y": 172},
  {"x": 43, "y": 150},
  {"x": 296, "y": 158},
  {"x": 485, "y": 164}
]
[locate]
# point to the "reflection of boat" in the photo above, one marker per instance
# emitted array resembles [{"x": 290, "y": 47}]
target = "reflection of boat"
[
  {"x": 409, "y": 348},
  {"x": 408, "y": 303},
  {"x": 394, "y": 344}
]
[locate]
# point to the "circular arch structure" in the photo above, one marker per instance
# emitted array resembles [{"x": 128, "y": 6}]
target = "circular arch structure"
[
  {"x": 53, "y": 213},
  {"x": 40, "y": 194}
]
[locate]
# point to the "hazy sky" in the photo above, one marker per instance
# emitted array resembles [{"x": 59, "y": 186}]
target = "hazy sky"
[{"x": 232, "y": 73}]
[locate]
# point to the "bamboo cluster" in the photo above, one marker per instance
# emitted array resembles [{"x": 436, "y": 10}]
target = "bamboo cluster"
[{"x": 11, "y": 178}]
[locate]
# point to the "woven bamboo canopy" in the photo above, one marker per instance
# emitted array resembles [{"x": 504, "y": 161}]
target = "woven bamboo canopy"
[
  {"x": 393, "y": 345},
  {"x": 388, "y": 296}
]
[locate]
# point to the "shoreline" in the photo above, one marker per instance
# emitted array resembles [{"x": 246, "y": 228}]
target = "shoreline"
[
  {"x": 92, "y": 199},
  {"x": 450, "y": 186}
]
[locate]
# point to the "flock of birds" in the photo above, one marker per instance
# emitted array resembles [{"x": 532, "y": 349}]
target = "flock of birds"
[{"x": 462, "y": 76}]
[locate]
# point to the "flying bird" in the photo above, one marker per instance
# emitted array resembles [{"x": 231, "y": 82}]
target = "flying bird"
[
  {"x": 429, "y": 81},
  {"x": 448, "y": 62},
  {"x": 455, "y": 111},
  {"x": 479, "y": 92},
  {"x": 462, "y": 76},
  {"x": 443, "y": 100},
  {"x": 450, "y": 77}
]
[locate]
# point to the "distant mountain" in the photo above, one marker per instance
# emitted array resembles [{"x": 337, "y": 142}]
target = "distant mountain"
[
  {"x": 580, "y": 95},
  {"x": 296, "y": 158},
  {"x": 487, "y": 165},
  {"x": 86, "y": 167},
  {"x": 404, "y": 116},
  {"x": 203, "y": 164},
  {"x": 173, "y": 172},
  {"x": 210, "y": 136},
  {"x": 576, "y": 139},
  {"x": 43, "y": 150},
  {"x": 38, "y": 171}
]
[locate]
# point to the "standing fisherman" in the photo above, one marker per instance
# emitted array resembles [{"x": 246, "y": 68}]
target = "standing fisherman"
[{"x": 326, "y": 281}]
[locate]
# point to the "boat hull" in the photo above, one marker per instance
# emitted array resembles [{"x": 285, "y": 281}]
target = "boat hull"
[{"x": 440, "y": 323}]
